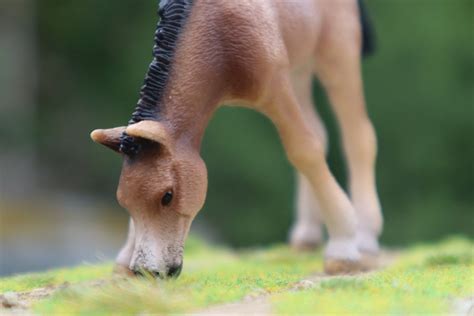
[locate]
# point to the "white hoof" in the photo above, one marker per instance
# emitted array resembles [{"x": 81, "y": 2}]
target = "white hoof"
[
  {"x": 342, "y": 257},
  {"x": 306, "y": 237},
  {"x": 367, "y": 242},
  {"x": 343, "y": 249},
  {"x": 343, "y": 267}
]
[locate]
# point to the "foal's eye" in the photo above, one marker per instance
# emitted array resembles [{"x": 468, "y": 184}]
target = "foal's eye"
[{"x": 167, "y": 198}]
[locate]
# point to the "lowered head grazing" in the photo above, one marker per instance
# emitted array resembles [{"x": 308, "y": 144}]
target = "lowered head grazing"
[
  {"x": 164, "y": 180},
  {"x": 163, "y": 187}
]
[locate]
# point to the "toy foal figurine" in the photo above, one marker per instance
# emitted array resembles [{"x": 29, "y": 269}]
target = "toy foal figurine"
[{"x": 261, "y": 54}]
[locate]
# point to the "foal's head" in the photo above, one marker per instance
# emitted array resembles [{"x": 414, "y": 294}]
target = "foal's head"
[
  {"x": 164, "y": 180},
  {"x": 163, "y": 185}
]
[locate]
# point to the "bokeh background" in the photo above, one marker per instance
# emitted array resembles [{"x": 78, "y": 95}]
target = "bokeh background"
[{"x": 67, "y": 67}]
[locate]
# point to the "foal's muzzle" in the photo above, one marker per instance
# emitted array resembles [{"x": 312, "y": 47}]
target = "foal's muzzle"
[{"x": 171, "y": 272}]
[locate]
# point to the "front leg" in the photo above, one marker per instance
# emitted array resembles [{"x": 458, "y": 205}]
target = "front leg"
[
  {"x": 122, "y": 263},
  {"x": 306, "y": 152}
]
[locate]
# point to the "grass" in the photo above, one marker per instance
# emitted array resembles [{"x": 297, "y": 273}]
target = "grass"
[
  {"x": 425, "y": 279},
  {"x": 30, "y": 281}
]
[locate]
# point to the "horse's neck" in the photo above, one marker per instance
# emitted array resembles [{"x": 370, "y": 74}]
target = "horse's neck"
[
  {"x": 192, "y": 97},
  {"x": 197, "y": 82}
]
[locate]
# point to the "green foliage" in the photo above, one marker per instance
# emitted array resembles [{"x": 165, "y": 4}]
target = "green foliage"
[
  {"x": 449, "y": 259},
  {"x": 211, "y": 276},
  {"x": 419, "y": 90},
  {"x": 86, "y": 272},
  {"x": 423, "y": 279},
  {"x": 30, "y": 281},
  {"x": 420, "y": 283}
]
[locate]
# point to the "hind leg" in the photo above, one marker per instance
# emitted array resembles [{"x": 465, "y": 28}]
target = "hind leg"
[
  {"x": 339, "y": 69},
  {"x": 307, "y": 232},
  {"x": 359, "y": 142}
]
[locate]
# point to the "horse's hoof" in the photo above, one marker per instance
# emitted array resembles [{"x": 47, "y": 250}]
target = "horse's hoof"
[
  {"x": 368, "y": 242},
  {"x": 305, "y": 246},
  {"x": 343, "y": 266},
  {"x": 305, "y": 238}
]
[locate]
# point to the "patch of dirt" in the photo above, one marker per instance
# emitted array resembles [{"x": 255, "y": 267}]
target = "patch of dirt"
[
  {"x": 14, "y": 303},
  {"x": 259, "y": 306},
  {"x": 23, "y": 300}
]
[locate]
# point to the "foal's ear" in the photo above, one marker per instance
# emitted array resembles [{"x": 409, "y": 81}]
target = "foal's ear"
[
  {"x": 109, "y": 137},
  {"x": 151, "y": 130}
]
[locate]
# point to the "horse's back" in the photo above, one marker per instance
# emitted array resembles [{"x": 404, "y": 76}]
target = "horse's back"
[
  {"x": 251, "y": 43},
  {"x": 261, "y": 37},
  {"x": 279, "y": 31}
]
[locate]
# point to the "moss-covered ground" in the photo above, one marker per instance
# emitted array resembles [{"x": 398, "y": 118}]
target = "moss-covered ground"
[{"x": 428, "y": 278}]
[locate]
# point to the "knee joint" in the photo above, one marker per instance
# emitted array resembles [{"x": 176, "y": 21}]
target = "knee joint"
[{"x": 306, "y": 153}]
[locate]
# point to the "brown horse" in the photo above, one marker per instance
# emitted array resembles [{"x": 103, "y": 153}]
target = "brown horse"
[{"x": 261, "y": 54}]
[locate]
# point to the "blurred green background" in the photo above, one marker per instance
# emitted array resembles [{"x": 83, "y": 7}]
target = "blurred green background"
[{"x": 68, "y": 67}]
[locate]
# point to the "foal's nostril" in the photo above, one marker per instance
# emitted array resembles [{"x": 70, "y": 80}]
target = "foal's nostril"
[
  {"x": 155, "y": 274},
  {"x": 175, "y": 270},
  {"x": 142, "y": 273}
]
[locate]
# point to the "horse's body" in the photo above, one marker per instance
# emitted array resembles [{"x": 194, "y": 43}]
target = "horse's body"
[{"x": 261, "y": 54}]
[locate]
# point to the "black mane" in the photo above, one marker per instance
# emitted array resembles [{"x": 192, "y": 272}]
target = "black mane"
[{"x": 173, "y": 15}]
